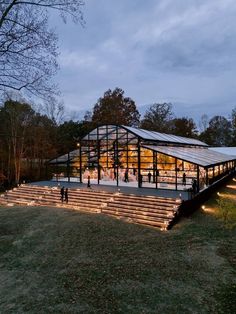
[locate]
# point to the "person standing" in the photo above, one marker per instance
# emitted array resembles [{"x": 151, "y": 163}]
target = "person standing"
[
  {"x": 149, "y": 177},
  {"x": 194, "y": 186},
  {"x": 66, "y": 195},
  {"x": 126, "y": 175},
  {"x": 88, "y": 185},
  {"x": 184, "y": 179},
  {"x": 62, "y": 194},
  {"x": 157, "y": 174}
]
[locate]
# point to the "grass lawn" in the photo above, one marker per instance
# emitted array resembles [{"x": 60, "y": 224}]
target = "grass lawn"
[{"x": 60, "y": 261}]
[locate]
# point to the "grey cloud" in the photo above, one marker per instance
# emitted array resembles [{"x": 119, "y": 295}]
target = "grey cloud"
[{"x": 167, "y": 50}]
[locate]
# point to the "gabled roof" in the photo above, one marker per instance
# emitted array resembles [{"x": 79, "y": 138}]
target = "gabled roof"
[
  {"x": 145, "y": 135},
  {"x": 163, "y": 137},
  {"x": 203, "y": 157}
]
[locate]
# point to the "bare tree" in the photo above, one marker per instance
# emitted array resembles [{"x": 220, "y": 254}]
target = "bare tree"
[
  {"x": 203, "y": 123},
  {"x": 28, "y": 47},
  {"x": 54, "y": 111}
]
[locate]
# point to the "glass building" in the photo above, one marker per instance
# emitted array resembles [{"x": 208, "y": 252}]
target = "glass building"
[{"x": 121, "y": 155}]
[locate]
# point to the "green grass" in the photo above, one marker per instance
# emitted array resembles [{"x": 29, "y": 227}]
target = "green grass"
[{"x": 60, "y": 261}]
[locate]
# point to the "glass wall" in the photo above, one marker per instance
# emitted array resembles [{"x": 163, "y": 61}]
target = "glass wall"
[
  {"x": 110, "y": 154},
  {"x": 114, "y": 155}
]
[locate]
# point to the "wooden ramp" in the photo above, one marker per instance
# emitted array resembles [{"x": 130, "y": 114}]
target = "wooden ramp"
[{"x": 159, "y": 212}]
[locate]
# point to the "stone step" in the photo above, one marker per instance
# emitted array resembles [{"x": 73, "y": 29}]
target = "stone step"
[
  {"x": 84, "y": 197},
  {"x": 73, "y": 196},
  {"x": 56, "y": 191},
  {"x": 153, "y": 223},
  {"x": 48, "y": 200},
  {"x": 157, "y": 205},
  {"x": 143, "y": 209},
  {"x": 149, "y": 210},
  {"x": 147, "y": 198},
  {"x": 152, "y": 214}
]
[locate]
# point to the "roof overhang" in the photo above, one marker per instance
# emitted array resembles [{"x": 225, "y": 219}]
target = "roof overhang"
[{"x": 203, "y": 157}]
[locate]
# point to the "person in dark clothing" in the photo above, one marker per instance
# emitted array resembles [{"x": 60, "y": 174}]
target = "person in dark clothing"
[
  {"x": 126, "y": 175},
  {"x": 157, "y": 175},
  {"x": 194, "y": 186},
  {"x": 184, "y": 179},
  {"x": 66, "y": 195},
  {"x": 149, "y": 177},
  {"x": 62, "y": 193},
  {"x": 89, "y": 185}
]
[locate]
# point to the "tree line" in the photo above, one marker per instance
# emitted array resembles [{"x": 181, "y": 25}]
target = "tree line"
[
  {"x": 29, "y": 137},
  {"x": 28, "y": 62}
]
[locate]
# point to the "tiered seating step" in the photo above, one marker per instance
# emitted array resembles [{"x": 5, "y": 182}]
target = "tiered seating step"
[
  {"x": 78, "y": 198},
  {"x": 149, "y": 210}
]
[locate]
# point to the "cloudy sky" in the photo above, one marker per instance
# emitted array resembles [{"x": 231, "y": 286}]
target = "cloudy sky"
[{"x": 177, "y": 51}]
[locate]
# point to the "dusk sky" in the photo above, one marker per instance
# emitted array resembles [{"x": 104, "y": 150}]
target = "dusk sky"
[{"x": 177, "y": 51}]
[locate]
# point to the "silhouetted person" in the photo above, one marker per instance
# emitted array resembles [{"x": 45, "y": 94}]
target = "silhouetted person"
[
  {"x": 66, "y": 195},
  {"x": 184, "y": 179},
  {"x": 194, "y": 186},
  {"x": 89, "y": 185},
  {"x": 149, "y": 177},
  {"x": 126, "y": 175},
  {"x": 62, "y": 193},
  {"x": 157, "y": 175}
]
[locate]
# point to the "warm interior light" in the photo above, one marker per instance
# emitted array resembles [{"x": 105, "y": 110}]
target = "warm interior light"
[
  {"x": 218, "y": 193},
  {"x": 203, "y": 207}
]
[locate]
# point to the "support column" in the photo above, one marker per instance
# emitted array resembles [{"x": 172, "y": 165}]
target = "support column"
[
  {"x": 127, "y": 151},
  {"x": 198, "y": 185},
  {"x": 139, "y": 166},
  {"x": 176, "y": 177},
  {"x": 80, "y": 163},
  {"x": 156, "y": 174},
  {"x": 68, "y": 167},
  {"x": 154, "y": 166},
  {"x": 98, "y": 155},
  {"x": 46, "y": 170},
  {"x": 107, "y": 145},
  {"x": 117, "y": 158},
  {"x": 207, "y": 183},
  {"x": 57, "y": 170}
]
